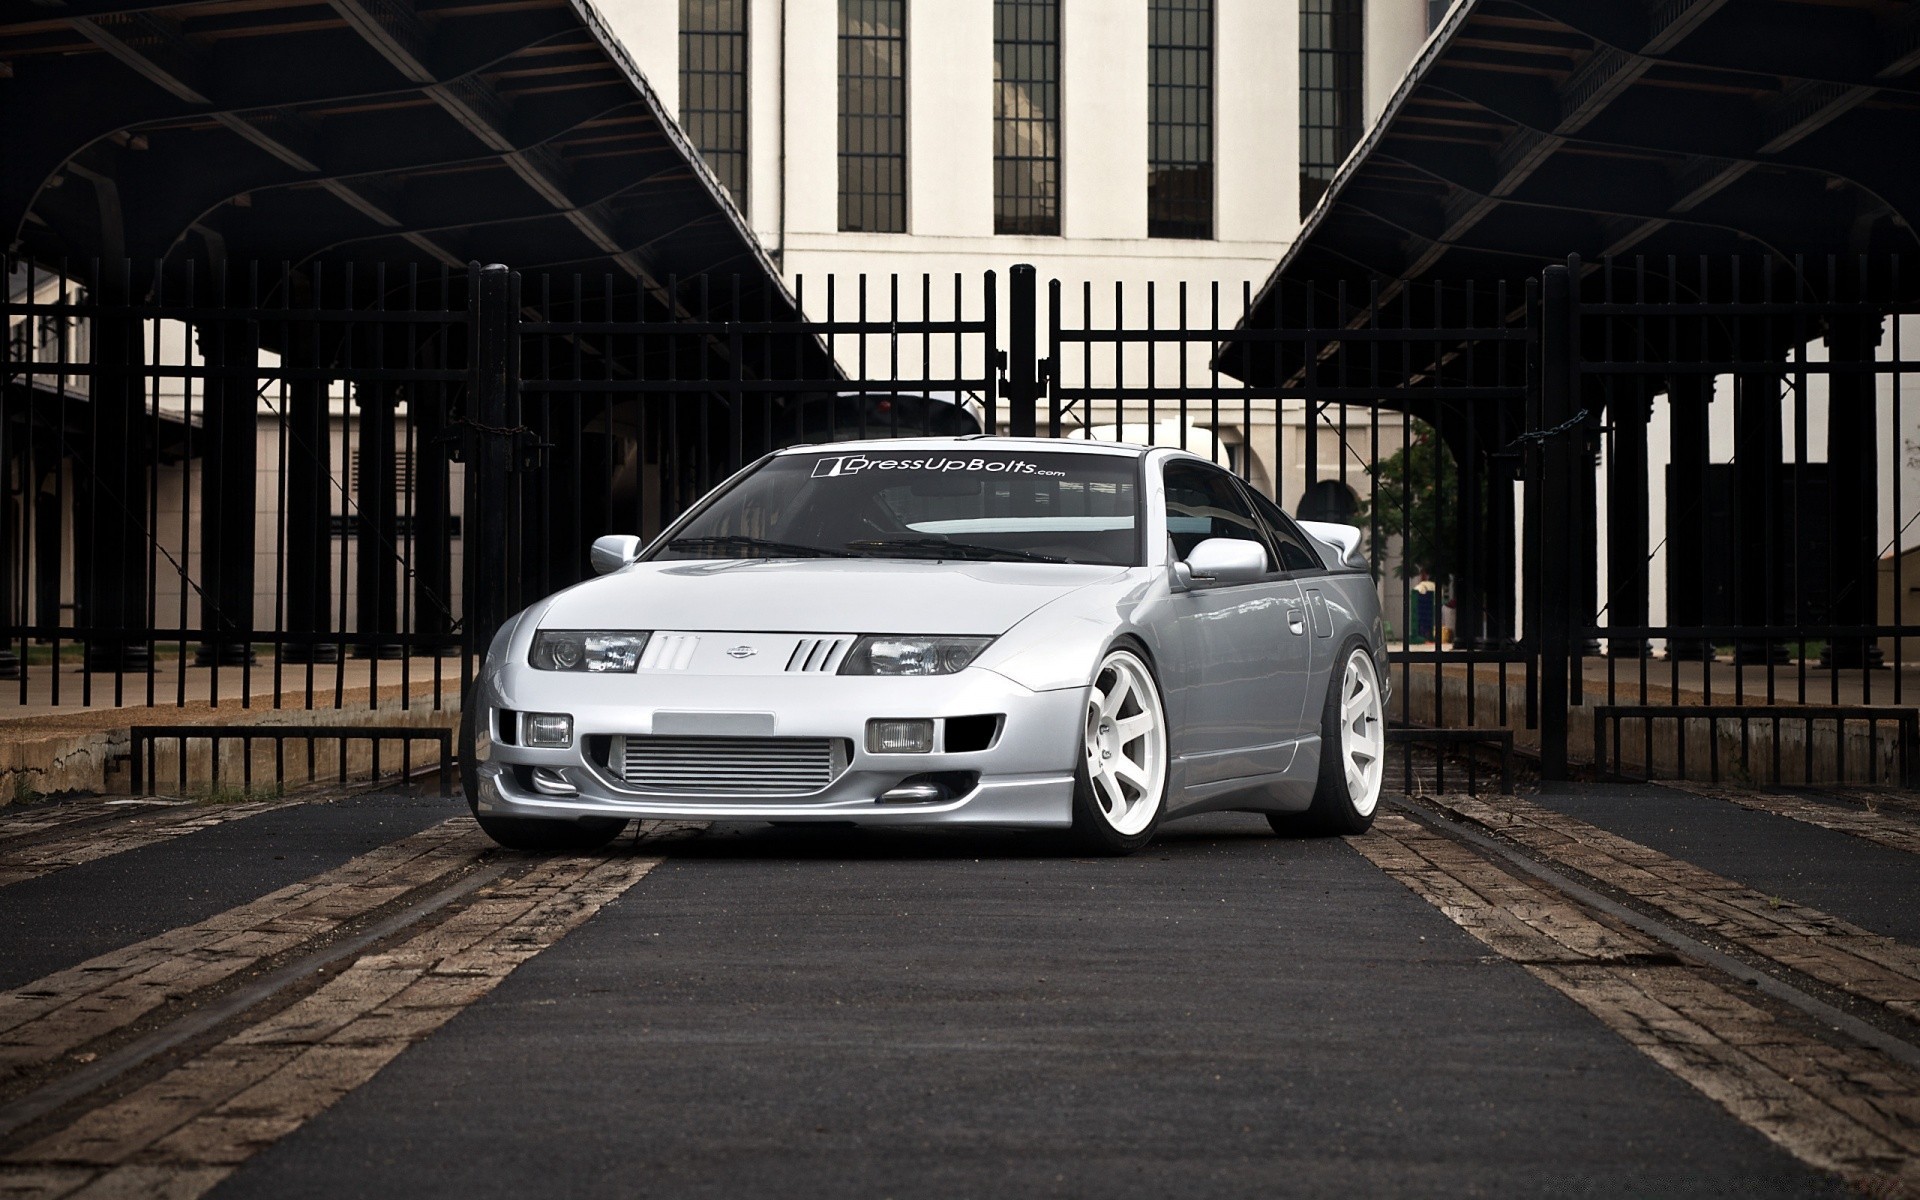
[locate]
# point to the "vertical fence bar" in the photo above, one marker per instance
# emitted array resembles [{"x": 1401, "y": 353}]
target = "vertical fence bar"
[
  {"x": 1023, "y": 369},
  {"x": 1558, "y": 460},
  {"x": 489, "y": 454},
  {"x": 1053, "y": 358}
]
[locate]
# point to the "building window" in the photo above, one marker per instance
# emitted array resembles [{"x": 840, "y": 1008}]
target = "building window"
[
  {"x": 873, "y": 116},
  {"x": 1180, "y": 118},
  {"x": 1330, "y": 100},
  {"x": 1026, "y": 117},
  {"x": 713, "y": 87}
]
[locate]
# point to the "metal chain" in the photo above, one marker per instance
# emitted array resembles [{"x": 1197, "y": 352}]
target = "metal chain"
[
  {"x": 497, "y": 430},
  {"x": 1536, "y": 436}
]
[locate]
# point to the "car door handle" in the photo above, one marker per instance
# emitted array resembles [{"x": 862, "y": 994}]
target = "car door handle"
[{"x": 1296, "y": 620}]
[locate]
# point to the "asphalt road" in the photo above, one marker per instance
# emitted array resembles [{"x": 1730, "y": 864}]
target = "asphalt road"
[
  {"x": 65, "y": 918},
  {"x": 783, "y": 1013},
  {"x": 1870, "y": 885}
]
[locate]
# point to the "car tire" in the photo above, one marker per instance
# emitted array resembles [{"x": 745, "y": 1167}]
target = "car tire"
[
  {"x": 1120, "y": 779},
  {"x": 525, "y": 833},
  {"x": 469, "y": 749},
  {"x": 1352, "y": 753}
]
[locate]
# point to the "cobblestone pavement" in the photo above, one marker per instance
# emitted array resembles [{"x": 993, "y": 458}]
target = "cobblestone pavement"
[{"x": 1591, "y": 991}]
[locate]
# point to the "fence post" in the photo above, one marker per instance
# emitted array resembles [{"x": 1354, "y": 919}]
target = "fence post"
[
  {"x": 1557, "y": 463},
  {"x": 1051, "y": 366},
  {"x": 10, "y": 662},
  {"x": 1023, "y": 366},
  {"x": 489, "y": 575}
]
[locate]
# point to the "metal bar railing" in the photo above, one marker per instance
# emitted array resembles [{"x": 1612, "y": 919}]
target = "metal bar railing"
[
  {"x": 1815, "y": 767},
  {"x": 142, "y": 739}
]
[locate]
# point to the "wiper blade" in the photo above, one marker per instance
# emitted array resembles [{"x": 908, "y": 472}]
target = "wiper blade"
[
  {"x": 735, "y": 541},
  {"x": 934, "y": 547}
]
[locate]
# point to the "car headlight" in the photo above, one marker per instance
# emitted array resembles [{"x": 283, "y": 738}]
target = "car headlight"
[
  {"x": 891, "y": 654},
  {"x": 586, "y": 650}
]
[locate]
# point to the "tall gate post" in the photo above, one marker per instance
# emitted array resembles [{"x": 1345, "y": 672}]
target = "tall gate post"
[
  {"x": 489, "y": 579},
  {"x": 1559, "y": 454},
  {"x": 1023, "y": 364}
]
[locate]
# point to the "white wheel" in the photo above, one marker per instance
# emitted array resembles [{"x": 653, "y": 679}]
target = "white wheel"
[
  {"x": 1353, "y": 746},
  {"x": 1363, "y": 736},
  {"x": 1125, "y": 745}
]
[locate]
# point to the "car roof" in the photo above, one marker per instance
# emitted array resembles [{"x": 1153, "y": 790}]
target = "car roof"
[{"x": 977, "y": 441}]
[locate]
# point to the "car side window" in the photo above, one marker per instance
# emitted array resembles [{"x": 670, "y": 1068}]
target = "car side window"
[
  {"x": 1203, "y": 503},
  {"x": 1295, "y": 554}
]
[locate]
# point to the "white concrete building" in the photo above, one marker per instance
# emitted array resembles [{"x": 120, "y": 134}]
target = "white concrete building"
[
  {"x": 1107, "y": 142},
  {"x": 1087, "y": 104}
]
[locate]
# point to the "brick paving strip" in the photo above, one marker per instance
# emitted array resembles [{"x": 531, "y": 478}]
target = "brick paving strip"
[
  {"x": 184, "y": 1132},
  {"x": 1870, "y": 822},
  {"x": 1819, "y": 945},
  {"x": 43, "y": 857},
  {"x": 42, "y": 819},
  {"x": 1843, "y": 1108},
  {"x": 1901, "y": 800},
  {"x": 68, "y": 1010}
]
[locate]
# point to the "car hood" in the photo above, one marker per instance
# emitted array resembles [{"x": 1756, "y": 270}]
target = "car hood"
[{"x": 819, "y": 596}]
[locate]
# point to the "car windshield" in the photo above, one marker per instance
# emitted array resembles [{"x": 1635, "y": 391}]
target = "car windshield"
[{"x": 981, "y": 505}]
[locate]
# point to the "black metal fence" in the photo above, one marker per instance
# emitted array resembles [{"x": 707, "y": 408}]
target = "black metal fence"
[
  {"x": 1396, "y": 412},
  {"x": 228, "y": 488},
  {"x": 1620, "y": 484},
  {"x": 641, "y": 416},
  {"x": 1742, "y": 465}
]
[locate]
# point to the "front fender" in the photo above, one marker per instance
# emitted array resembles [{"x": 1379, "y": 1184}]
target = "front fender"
[
  {"x": 510, "y": 638},
  {"x": 1061, "y": 645}
]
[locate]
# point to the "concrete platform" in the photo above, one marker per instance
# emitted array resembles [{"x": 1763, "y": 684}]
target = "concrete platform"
[
  {"x": 49, "y": 748},
  {"x": 1459, "y": 695}
]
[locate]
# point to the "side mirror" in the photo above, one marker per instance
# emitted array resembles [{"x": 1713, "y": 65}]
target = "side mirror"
[
  {"x": 614, "y": 551},
  {"x": 1225, "y": 560}
]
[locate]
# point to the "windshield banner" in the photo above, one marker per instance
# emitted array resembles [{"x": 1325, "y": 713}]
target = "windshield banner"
[{"x": 854, "y": 464}]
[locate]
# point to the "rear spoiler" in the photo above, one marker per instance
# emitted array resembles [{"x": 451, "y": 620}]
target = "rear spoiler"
[{"x": 1339, "y": 545}]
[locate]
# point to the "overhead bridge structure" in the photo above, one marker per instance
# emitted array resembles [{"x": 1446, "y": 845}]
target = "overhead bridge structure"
[
  {"x": 377, "y": 130},
  {"x": 1529, "y": 130}
]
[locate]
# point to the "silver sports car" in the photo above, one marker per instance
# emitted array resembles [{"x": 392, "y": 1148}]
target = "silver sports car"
[{"x": 946, "y": 631}]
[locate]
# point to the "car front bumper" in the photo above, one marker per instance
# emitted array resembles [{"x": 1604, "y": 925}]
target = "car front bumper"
[{"x": 1024, "y": 778}]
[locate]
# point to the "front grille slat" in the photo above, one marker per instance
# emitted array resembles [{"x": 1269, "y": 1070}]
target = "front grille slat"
[
  {"x": 669, "y": 651},
  {"x": 818, "y": 655},
  {"x": 727, "y": 765}
]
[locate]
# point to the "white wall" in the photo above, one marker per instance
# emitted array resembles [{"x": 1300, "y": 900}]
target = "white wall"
[
  {"x": 949, "y": 119},
  {"x": 811, "y": 122},
  {"x": 766, "y": 137},
  {"x": 1103, "y": 120},
  {"x": 1396, "y": 29},
  {"x": 650, "y": 30},
  {"x": 1257, "y": 168}
]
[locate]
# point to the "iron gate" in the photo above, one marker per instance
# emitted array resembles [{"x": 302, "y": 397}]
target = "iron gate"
[
  {"x": 230, "y": 488},
  {"x": 1379, "y": 404},
  {"x": 1741, "y": 460},
  {"x": 265, "y": 486}
]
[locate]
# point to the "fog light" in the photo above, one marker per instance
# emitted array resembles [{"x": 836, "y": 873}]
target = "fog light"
[
  {"x": 548, "y": 731},
  {"x": 899, "y": 737}
]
